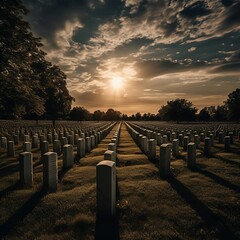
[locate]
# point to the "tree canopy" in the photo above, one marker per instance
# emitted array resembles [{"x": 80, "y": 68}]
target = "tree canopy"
[
  {"x": 178, "y": 110},
  {"x": 31, "y": 87},
  {"x": 233, "y": 105}
]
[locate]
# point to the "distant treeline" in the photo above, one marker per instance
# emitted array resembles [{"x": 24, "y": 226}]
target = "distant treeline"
[{"x": 175, "y": 110}]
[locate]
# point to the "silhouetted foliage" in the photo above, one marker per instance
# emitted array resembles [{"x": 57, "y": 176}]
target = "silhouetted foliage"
[
  {"x": 204, "y": 115},
  {"x": 178, "y": 110},
  {"x": 233, "y": 105},
  {"x": 79, "y": 114},
  {"x": 221, "y": 113},
  {"x": 112, "y": 115},
  {"x": 97, "y": 115},
  {"x": 30, "y": 86}
]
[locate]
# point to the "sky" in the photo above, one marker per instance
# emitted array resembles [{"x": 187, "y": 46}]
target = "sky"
[{"x": 135, "y": 55}]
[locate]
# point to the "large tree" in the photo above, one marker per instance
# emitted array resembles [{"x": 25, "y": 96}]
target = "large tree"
[
  {"x": 80, "y": 114},
  {"x": 233, "y": 105},
  {"x": 30, "y": 85},
  {"x": 112, "y": 115},
  {"x": 178, "y": 110},
  {"x": 204, "y": 115}
]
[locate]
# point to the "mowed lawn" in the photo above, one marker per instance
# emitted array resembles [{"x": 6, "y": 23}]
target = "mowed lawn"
[{"x": 199, "y": 204}]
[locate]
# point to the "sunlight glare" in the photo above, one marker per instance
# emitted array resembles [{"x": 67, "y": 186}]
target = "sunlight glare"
[{"x": 117, "y": 83}]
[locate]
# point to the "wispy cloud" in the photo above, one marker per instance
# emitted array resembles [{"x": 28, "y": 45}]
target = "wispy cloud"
[{"x": 151, "y": 44}]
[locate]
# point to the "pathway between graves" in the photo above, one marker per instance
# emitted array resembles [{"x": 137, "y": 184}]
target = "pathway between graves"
[{"x": 128, "y": 152}]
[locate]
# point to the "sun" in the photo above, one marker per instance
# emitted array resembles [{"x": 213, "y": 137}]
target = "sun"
[{"x": 117, "y": 83}]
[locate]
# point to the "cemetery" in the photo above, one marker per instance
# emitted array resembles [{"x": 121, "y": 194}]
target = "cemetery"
[
  {"x": 119, "y": 120},
  {"x": 119, "y": 180}
]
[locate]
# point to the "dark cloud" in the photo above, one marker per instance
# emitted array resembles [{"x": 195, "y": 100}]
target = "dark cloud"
[
  {"x": 51, "y": 16},
  {"x": 228, "y": 68},
  {"x": 227, "y": 3},
  {"x": 177, "y": 47},
  {"x": 153, "y": 68},
  {"x": 232, "y": 18},
  {"x": 48, "y": 17},
  {"x": 235, "y": 57},
  {"x": 196, "y": 9}
]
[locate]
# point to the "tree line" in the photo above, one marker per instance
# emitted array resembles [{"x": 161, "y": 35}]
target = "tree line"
[{"x": 175, "y": 110}]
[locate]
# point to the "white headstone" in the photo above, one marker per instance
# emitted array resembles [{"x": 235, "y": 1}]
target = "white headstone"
[
  {"x": 50, "y": 171},
  {"x": 81, "y": 148},
  {"x": 26, "y": 169},
  {"x": 164, "y": 162},
  {"x": 106, "y": 189},
  {"x": 68, "y": 156},
  {"x": 10, "y": 149},
  {"x": 191, "y": 155},
  {"x": 152, "y": 149}
]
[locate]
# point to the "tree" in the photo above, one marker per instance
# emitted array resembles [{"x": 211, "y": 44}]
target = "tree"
[
  {"x": 233, "y": 105},
  {"x": 79, "y": 114},
  {"x": 178, "y": 110},
  {"x": 30, "y": 86},
  {"x": 204, "y": 115},
  {"x": 112, "y": 115},
  {"x": 138, "y": 116},
  {"x": 97, "y": 115},
  {"x": 221, "y": 113}
]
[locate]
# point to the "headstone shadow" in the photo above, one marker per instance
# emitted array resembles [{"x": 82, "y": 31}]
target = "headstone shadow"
[
  {"x": 207, "y": 215},
  {"x": 6, "y": 191},
  {"x": 217, "y": 179},
  {"x": 108, "y": 228},
  {"x": 22, "y": 212}
]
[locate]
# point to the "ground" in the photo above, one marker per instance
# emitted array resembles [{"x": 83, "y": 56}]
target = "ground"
[{"x": 203, "y": 203}]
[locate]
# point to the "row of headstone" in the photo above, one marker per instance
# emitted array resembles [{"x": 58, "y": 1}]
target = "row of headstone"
[
  {"x": 48, "y": 135},
  {"x": 106, "y": 180},
  {"x": 167, "y": 148},
  {"x": 111, "y": 153},
  {"x": 174, "y": 133},
  {"x": 183, "y": 140},
  {"x": 50, "y": 169}
]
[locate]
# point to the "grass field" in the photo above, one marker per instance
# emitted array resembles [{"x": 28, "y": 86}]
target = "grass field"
[{"x": 199, "y": 204}]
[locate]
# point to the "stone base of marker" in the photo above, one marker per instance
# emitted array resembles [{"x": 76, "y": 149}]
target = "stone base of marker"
[
  {"x": 50, "y": 171},
  {"x": 106, "y": 190},
  {"x": 191, "y": 155},
  {"x": 26, "y": 169},
  {"x": 164, "y": 162}
]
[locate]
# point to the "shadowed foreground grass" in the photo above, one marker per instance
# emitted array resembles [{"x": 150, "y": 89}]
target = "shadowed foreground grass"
[{"x": 199, "y": 204}]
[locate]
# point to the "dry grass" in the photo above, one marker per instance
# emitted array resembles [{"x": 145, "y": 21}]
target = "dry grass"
[{"x": 199, "y": 204}]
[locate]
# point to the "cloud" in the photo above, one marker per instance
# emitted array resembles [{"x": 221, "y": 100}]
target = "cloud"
[
  {"x": 192, "y": 49},
  {"x": 199, "y": 8},
  {"x": 168, "y": 47}
]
